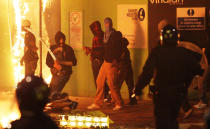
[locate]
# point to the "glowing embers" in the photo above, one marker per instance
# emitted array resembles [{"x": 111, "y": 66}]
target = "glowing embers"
[{"x": 68, "y": 121}]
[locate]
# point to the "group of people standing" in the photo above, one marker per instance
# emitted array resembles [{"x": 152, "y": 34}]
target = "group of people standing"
[
  {"x": 110, "y": 59},
  {"x": 61, "y": 67},
  {"x": 171, "y": 65},
  {"x": 111, "y": 65}
]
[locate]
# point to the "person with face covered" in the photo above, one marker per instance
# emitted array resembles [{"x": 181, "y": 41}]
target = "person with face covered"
[
  {"x": 109, "y": 70},
  {"x": 61, "y": 68},
  {"x": 97, "y": 52}
]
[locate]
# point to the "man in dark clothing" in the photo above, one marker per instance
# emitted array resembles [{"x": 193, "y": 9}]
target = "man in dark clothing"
[
  {"x": 97, "y": 48},
  {"x": 61, "y": 68},
  {"x": 32, "y": 95},
  {"x": 110, "y": 68},
  {"x": 30, "y": 57},
  {"x": 97, "y": 52},
  {"x": 172, "y": 68},
  {"x": 126, "y": 71}
]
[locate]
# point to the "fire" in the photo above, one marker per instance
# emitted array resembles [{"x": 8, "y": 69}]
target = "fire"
[
  {"x": 21, "y": 10},
  {"x": 44, "y": 4},
  {"x": 18, "y": 46}
]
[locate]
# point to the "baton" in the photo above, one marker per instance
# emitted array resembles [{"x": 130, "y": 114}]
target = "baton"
[{"x": 42, "y": 41}]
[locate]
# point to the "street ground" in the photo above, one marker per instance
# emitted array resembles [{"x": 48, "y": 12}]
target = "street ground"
[{"x": 130, "y": 117}]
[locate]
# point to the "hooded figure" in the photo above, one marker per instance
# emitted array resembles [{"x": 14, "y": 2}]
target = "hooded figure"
[
  {"x": 109, "y": 70},
  {"x": 126, "y": 71},
  {"x": 97, "y": 43},
  {"x": 97, "y": 53},
  {"x": 61, "y": 68}
]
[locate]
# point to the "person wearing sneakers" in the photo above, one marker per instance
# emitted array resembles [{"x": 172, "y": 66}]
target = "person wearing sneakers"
[
  {"x": 96, "y": 53},
  {"x": 110, "y": 68},
  {"x": 198, "y": 80},
  {"x": 173, "y": 67},
  {"x": 203, "y": 103}
]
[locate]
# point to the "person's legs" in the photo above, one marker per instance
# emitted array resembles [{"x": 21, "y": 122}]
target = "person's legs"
[
  {"x": 96, "y": 65},
  {"x": 167, "y": 107},
  {"x": 100, "y": 85},
  {"x": 58, "y": 82},
  {"x": 206, "y": 83},
  {"x": 202, "y": 93},
  {"x": 130, "y": 84},
  {"x": 112, "y": 75},
  {"x": 187, "y": 108},
  {"x": 161, "y": 111}
]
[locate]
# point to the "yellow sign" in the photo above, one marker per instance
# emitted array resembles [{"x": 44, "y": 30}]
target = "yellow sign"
[{"x": 171, "y": 2}]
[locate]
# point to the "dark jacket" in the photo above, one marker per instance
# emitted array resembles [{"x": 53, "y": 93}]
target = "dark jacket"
[
  {"x": 41, "y": 121},
  {"x": 97, "y": 43},
  {"x": 67, "y": 55},
  {"x": 29, "y": 37},
  {"x": 113, "y": 47},
  {"x": 171, "y": 65},
  {"x": 125, "y": 57}
]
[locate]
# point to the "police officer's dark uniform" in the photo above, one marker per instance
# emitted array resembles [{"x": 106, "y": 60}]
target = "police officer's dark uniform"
[
  {"x": 32, "y": 96},
  {"x": 171, "y": 67}
]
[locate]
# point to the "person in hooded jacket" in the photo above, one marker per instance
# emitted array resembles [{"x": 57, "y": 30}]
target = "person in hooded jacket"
[
  {"x": 172, "y": 68},
  {"x": 61, "y": 68},
  {"x": 96, "y": 53},
  {"x": 126, "y": 71},
  {"x": 109, "y": 70}
]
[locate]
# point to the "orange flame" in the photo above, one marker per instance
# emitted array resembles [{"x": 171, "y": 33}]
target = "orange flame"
[
  {"x": 21, "y": 9},
  {"x": 44, "y": 4},
  {"x": 18, "y": 46}
]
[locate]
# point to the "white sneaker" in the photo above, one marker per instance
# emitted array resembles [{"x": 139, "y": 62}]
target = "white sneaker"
[
  {"x": 200, "y": 105},
  {"x": 93, "y": 106},
  {"x": 117, "y": 108}
]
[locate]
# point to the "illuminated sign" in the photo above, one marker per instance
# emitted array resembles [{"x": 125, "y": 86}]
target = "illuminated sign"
[
  {"x": 136, "y": 14},
  {"x": 191, "y": 18},
  {"x": 171, "y": 2}
]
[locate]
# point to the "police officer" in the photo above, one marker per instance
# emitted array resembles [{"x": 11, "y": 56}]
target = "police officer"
[
  {"x": 171, "y": 67},
  {"x": 32, "y": 96}
]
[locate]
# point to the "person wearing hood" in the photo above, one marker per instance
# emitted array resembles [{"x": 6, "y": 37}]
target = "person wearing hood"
[
  {"x": 126, "y": 71},
  {"x": 110, "y": 68},
  {"x": 96, "y": 53},
  {"x": 61, "y": 68},
  {"x": 172, "y": 68}
]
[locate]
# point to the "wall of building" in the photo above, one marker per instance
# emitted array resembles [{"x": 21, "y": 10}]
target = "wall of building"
[{"x": 82, "y": 82}]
